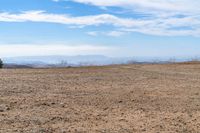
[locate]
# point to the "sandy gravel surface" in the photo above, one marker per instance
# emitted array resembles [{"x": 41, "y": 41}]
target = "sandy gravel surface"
[{"x": 111, "y": 99}]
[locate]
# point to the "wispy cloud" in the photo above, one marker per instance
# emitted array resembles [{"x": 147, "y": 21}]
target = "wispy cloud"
[
  {"x": 93, "y": 33},
  {"x": 164, "y": 17},
  {"x": 41, "y": 16},
  {"x": 115, "y": 33},
  {"x": 158, "y": 25},
  {"x": 181, "y": 6},
  {"x": 109, "y": 33}
]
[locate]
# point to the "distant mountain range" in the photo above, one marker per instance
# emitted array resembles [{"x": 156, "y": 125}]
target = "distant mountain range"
[
  {"x": 80, "y": 60},
  {"x": 63, "y": 61}
]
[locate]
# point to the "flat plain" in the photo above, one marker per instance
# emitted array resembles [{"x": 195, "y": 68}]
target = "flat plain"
[{"x": 147, "y": 98}]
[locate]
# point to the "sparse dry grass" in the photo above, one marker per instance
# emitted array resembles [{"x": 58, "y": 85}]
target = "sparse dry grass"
[{"x": 111, "y": 99}]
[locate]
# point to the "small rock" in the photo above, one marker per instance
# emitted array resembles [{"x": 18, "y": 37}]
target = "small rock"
[
  {"x": 4, "y": 108},
  {"x": 120, "y": 101}
]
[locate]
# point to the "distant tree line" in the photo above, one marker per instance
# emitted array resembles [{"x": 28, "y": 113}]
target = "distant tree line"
[{"x": 1, "y": 63}]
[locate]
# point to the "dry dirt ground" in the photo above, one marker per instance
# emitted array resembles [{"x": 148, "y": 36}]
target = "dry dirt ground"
[{"x": 110, "y": 99}]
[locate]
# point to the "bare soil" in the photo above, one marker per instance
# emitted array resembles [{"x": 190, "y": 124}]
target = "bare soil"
[{"x": 109, "y": 99}]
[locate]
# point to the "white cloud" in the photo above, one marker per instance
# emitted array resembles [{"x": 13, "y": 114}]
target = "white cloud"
[
  {"x": 41, "y": 16},
  {"x": 109, "y": 33},
  {"x": 186, "y": 6},
  {"x": 92, "y": 33},
  {"x": 159, "y": 25},
  {"x": 41, "y": 50},
  {"x": 115, "y": 33}
]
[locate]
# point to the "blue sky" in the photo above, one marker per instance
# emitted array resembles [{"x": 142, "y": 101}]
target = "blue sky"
[{"x": 117, "y": 28}]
